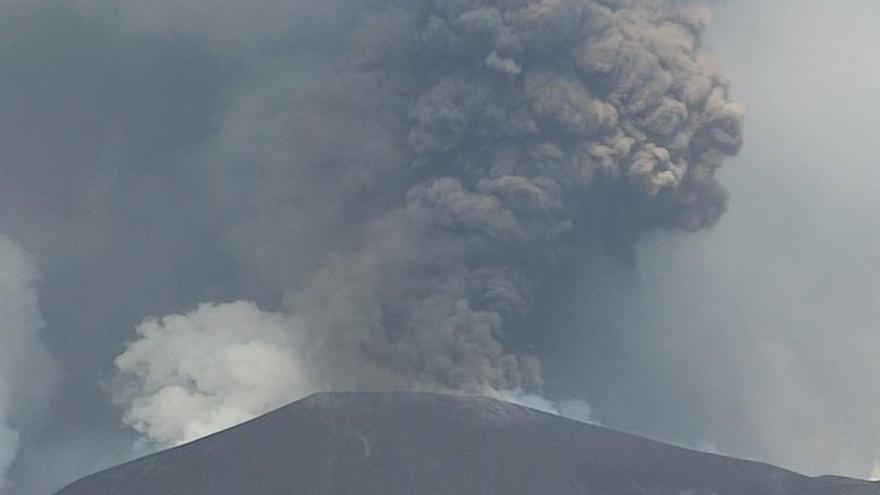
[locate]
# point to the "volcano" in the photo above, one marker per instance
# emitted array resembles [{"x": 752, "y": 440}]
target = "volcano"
[{"x": 404, "y": 443}]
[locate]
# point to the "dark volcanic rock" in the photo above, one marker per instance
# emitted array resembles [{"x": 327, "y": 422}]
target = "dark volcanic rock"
[{"x": 428, "y": 444}]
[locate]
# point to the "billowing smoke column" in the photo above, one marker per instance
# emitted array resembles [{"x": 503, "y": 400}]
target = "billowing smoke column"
[
  {"x": 27, "y": 372},
  {"x": 417, "y": 200},
  {"x": 239, "y": 356}
]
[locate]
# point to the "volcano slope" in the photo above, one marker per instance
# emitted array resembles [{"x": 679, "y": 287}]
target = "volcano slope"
[{"x": 401, "y": 443}]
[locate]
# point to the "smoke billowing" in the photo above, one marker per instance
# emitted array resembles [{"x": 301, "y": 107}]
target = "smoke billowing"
[
  {"x": 209, "y": 370},
  {"x": 411, "y": 181},
  {"x": 27, "y": 372},
  {"x": 470, "y": 207}
]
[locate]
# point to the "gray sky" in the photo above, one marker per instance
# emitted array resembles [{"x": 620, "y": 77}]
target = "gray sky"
[
  {"x": 757, "y": 338},
  {"x": 760, "y": 337}
]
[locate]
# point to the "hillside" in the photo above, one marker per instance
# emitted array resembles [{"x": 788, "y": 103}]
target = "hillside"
[{"x": 396, "y": 443}]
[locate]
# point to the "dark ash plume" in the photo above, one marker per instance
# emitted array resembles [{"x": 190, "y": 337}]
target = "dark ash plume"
[
  {"x": 515, "y": 119},
  {"x": 414, "y": 196}
]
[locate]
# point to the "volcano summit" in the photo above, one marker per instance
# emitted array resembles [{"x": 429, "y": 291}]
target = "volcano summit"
[{"x": 396, "y": 443}]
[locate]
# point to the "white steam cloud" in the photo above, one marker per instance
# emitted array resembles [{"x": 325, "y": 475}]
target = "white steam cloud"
[
  {"x": 575, "y": 409},
  {"x": 27, "y": 373},
  {"x": 8, "y": 447},
  {"x": 192, "y": 375},
  {"x": 195, "y": 374}
]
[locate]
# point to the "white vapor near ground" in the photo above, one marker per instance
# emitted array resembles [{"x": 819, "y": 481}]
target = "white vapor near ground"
[
  {"x": 195, "y": 374},
  {"x": 192, "y": 375},
  {"x": 27, "y": 373},
  {"x": 8, "y": 447}
]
